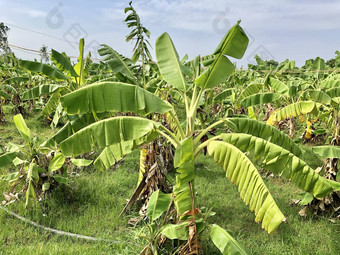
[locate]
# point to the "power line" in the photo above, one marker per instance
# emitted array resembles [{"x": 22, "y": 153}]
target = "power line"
[
  {"x": 41, "y": 33},
  {"x": 36, "y": 52}
]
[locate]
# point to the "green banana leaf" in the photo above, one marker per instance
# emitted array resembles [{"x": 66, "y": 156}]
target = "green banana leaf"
[
  {"x": 328, "y": 84},
  {"x": 75, "y": 123},
  {"x": 113, "y": 153},
  {"x": 225, "y": 242},
  {"x": 16, "y": 80},
  {"x": 294, "y": 110},
  {"x": 334, "y": 92},
  {"x": 24, "y": 131},
  {"x": 259, "y": 98},
  {"x": 233, "y": 44},
  {"x": 30, "y": 193},
  {"x": 251, "y": 89},
  {"x": 56, "y": 163},
  {"x": 113, "y": 97},
  {"x": 117, "y": 62},
  {"x": 79, "y": 67},
  {"x": 241, "y": 171},
  {"x": 7, "y": 158},
  {"x": 185, "y": 169},
  {"x": 281, "y": 162},
  {"x": 52, "y": 103},
  {"x": 264, "y": 131},
  {"x": 41, "y": 90},
  {"x": 63, "y": 63},
  {"x": 4, "y": 95},
  {"x": 157, "y": 205},
  {"x": 223, "y": 95},
  {"x": 317, "y": 96},
  {"x": 277, "y": 85},
  {"x": 42, "y": 68},
  {"x": 8, "y": 88},
  {"x": 108, "y": 132},
  {"x": 168, "y": 62},
  {"x": 181, "y": 231},
  {"x": 327, "y": 151}
]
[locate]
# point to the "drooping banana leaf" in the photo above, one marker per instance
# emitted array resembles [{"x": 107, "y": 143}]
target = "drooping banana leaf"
[
  {"x": 108, "y": 132},
  {"x": 42, "y": 68},
  {"x": 168, "y": 61},
  {"x": 241, "y": 171},
  {"x": 113, "y": 97},
  {"x": 233, "y": 44},
  {"x": 281, "y": 162},
  {"x": 16, "y": 80},
  {"x": 251, "y": 89},
  {"x": 264, "y": 131},
  {"x": 112, "y": 154},
  {"x": 328, "y": 84},
  {"x": 41, "y": 90},
  {"x": 7, "y": 158},
  {"x": 327, "y": 151},
  {"x": 52, "y": 103},
  {"x": 4, "y": 95},
  {"x": 277, "y": 85},
  {"x": 293, "y": 110},
  {"x": 334, "y": 92},
  {"x": 8, "y": 88},
  {"x": 259, "y": 98},
  {"x": 223, "y": 95},
  {"x": 317, "y": 96},
  {"x": 73, "y": 125},
  {"x": 181, "y": 231}
]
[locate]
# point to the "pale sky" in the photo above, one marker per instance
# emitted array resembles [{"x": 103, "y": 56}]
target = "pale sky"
[{"x": 297, "y": 30}]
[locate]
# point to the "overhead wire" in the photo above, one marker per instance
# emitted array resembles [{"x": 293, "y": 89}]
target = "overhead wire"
[
  {"x": 41, "y": 33},
  {"x": 27, "y": 50}
]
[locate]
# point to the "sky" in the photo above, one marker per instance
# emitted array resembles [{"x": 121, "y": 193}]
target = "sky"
[{"x": 297, "y": 30}]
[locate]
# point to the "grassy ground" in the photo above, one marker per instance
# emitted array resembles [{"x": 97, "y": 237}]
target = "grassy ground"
[{"x": 93, "y": 208}]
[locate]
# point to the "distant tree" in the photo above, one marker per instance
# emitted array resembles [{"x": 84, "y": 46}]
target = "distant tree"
[
  {"x": 44, "y": 54},
  {"x": 272, "y": 62},
  {"x": 308, "y": 63},
  {"x": 3, "y": 38},
  {"x": 337, "y": 59},
  {"x": 331, "y": 62}
]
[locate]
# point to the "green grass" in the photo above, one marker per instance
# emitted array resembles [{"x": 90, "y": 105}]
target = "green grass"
[{"x": 93, "y": 205}]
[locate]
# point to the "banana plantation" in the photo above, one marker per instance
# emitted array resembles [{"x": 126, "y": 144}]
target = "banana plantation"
[{"x": 156, "y": 153}]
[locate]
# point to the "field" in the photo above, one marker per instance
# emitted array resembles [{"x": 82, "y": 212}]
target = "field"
[
  {"x": 168, "y": 155},
  {"x": 92, "y": 208}
]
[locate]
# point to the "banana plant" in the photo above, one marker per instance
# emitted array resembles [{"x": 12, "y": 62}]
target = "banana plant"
[
  {"x": 38, "y": 169},
  {"x": 65, "y": 77},
  {"x": 252, "y": 144},
  {"x": 140, "y": 34}
]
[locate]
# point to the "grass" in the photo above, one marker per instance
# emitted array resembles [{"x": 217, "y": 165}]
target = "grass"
[{"x": 92, "y": 208}]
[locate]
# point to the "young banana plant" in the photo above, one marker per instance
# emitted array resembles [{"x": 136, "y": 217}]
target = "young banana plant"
[
  {"x": 251, "y": 144},
  {"x": 39, "y": 169}
]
